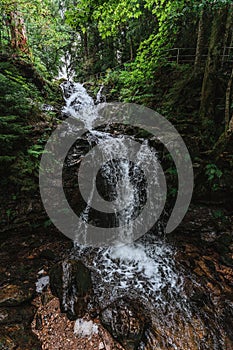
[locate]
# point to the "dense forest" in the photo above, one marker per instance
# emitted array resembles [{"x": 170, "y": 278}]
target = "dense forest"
[
  {"x": 172, "y": 56},
  {"x": 175, "y": 57}
]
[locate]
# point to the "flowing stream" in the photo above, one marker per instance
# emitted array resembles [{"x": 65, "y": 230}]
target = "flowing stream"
[{"x": 145, "y": 269}]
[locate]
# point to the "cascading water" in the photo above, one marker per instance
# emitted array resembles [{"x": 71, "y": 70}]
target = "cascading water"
[{"x": 145, "y": 269}]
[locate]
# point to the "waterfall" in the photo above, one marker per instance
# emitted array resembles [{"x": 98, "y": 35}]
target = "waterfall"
[
  {"x": 66, "y": 70},
  {"x": 125, "y": 181},
  {"x": 78, "y": 103},
  {"x": 122, "y": 182},
  {"x": 146, "y": 268},
  {"x": 100, "y": 97}
]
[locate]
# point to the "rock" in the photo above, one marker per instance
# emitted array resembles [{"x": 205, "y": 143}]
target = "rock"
[
  {"x": 71, "y": 282},
  {"x": 18, "y": 337},
  {"x": 126, "y": 321},
  {"x": 9, "y": 315},
  {"x": 13, "y": 295},
  {"x": 55, "y": 331},
  {"x": 198, "y": 220},
  {"x": 223, "y": 246},
  {"x": 47, "y": 254},
  {"x": 228, "y": 321},
  {"x": 6, "y": 343}
]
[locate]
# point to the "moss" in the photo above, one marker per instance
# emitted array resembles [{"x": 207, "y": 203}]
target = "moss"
[{"x": 23, "y": 93}]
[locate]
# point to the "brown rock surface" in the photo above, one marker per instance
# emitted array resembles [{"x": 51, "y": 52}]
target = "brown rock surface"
[{"x": 56, "y": 331}]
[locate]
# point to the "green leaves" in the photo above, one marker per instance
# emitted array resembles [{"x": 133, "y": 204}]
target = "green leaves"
[
  {"x": 213, "y": 174},
  {"x": 36, "y": 150},
  {"x": 19, "y": 106},
  {"x": 112, "y": 15},
  {"x": 17, "y": 95},
  {"x": 47, "y": 35},
  {"x": 212, "y": 171}
]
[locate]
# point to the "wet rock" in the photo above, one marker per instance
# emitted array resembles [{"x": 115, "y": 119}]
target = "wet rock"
[
  {"x": 223, "y": 247},
  {"x": 55, "y": 331},
  {"x": 9, "y": 315},
  {"x": 47, "y": 254},
  {"x": 71, "y": 282},
  {"x": 18, "y": 337},
  {"x": 13, "y": 295},
  {"x": 6, "y": 343},
  {"x": 197, "y": 221},
  {"x": 180, "y": 334},
  {"x": 228, "y": 321},
  {"x": 126, "y": 321}
]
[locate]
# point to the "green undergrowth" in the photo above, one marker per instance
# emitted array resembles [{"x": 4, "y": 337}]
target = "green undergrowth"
[{"x": 24, "y": 129}]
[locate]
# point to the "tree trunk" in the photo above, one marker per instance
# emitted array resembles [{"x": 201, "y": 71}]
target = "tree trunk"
[
  {"x": 85, "y": 42},
  {"x": 18, "y": 33},
  {"x": 131, "y": 49},
  {"x": 230, "y": 127},
  {"x": 228, "y": 102},
  {"x": 200, "y": 41},
  {"x": 227, "y": 41},
  {"x": 209, "y": 85}
]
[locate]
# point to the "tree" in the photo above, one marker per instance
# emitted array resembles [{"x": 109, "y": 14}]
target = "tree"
[
  {"x": 19, "y": 42},
  {"x": 200, "y": 40},
  {"x": 228, "y": 103},
  {"x": 37, "y": 28},
  {"x": 13, "y": 19},
  {"x": 210, "y": 80}
]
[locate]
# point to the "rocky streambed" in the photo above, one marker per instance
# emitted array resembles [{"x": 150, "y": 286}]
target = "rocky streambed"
[{"x": 87, "y": 311}]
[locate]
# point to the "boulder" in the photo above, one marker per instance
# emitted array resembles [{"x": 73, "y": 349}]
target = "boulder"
[
  {"x": 71, "y": 282},
  {"x": 18, "y": 336},
  {"x": 126, "y": 320},
  {"x": 14, "y": 295},
  {"x": 20, "y": 314}
]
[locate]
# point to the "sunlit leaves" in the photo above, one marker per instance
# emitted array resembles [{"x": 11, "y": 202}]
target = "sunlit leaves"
[
  {"x": 113, "y": 14},
  {"x": 46, "y": 31}
]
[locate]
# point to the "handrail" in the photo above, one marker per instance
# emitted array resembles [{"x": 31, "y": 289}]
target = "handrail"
[{"x": 179, "y": 58}]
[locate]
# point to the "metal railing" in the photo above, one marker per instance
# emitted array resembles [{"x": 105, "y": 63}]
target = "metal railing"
[
  {"x": 179, "y": 55},
  {"x": 182, "y": 55}
]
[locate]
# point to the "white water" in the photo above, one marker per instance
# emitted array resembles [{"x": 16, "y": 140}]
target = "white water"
[
  {"x": 78, "y": 103},
  {"x": 66, "y": 70},
  {"x": 146, "y": 261},
  {"x": 67, "y": 302},
  {"x": 145, "y": 269},
  {"x": 84, "y": 328},
  {"x": 100, "y": 97},
  {"x": 41, "y": 283}
]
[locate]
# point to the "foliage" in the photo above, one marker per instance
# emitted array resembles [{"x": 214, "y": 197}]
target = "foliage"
[
  {"x": 140, "y": 31},
  {"x": 16, "y": 105},
  {"x": 213, "y": 174},
  {"x": 20, "y": 103},
  {"x": 113, "y": 15},
  {"x": 125, "y": 19},
  {"x": 103, "y": 34},
  {"x": 218, "y": 214},
  {"x": 127, "y": 40},
  {"x": 18, "y": 96},
  {"x": 47, "y": 34}
]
